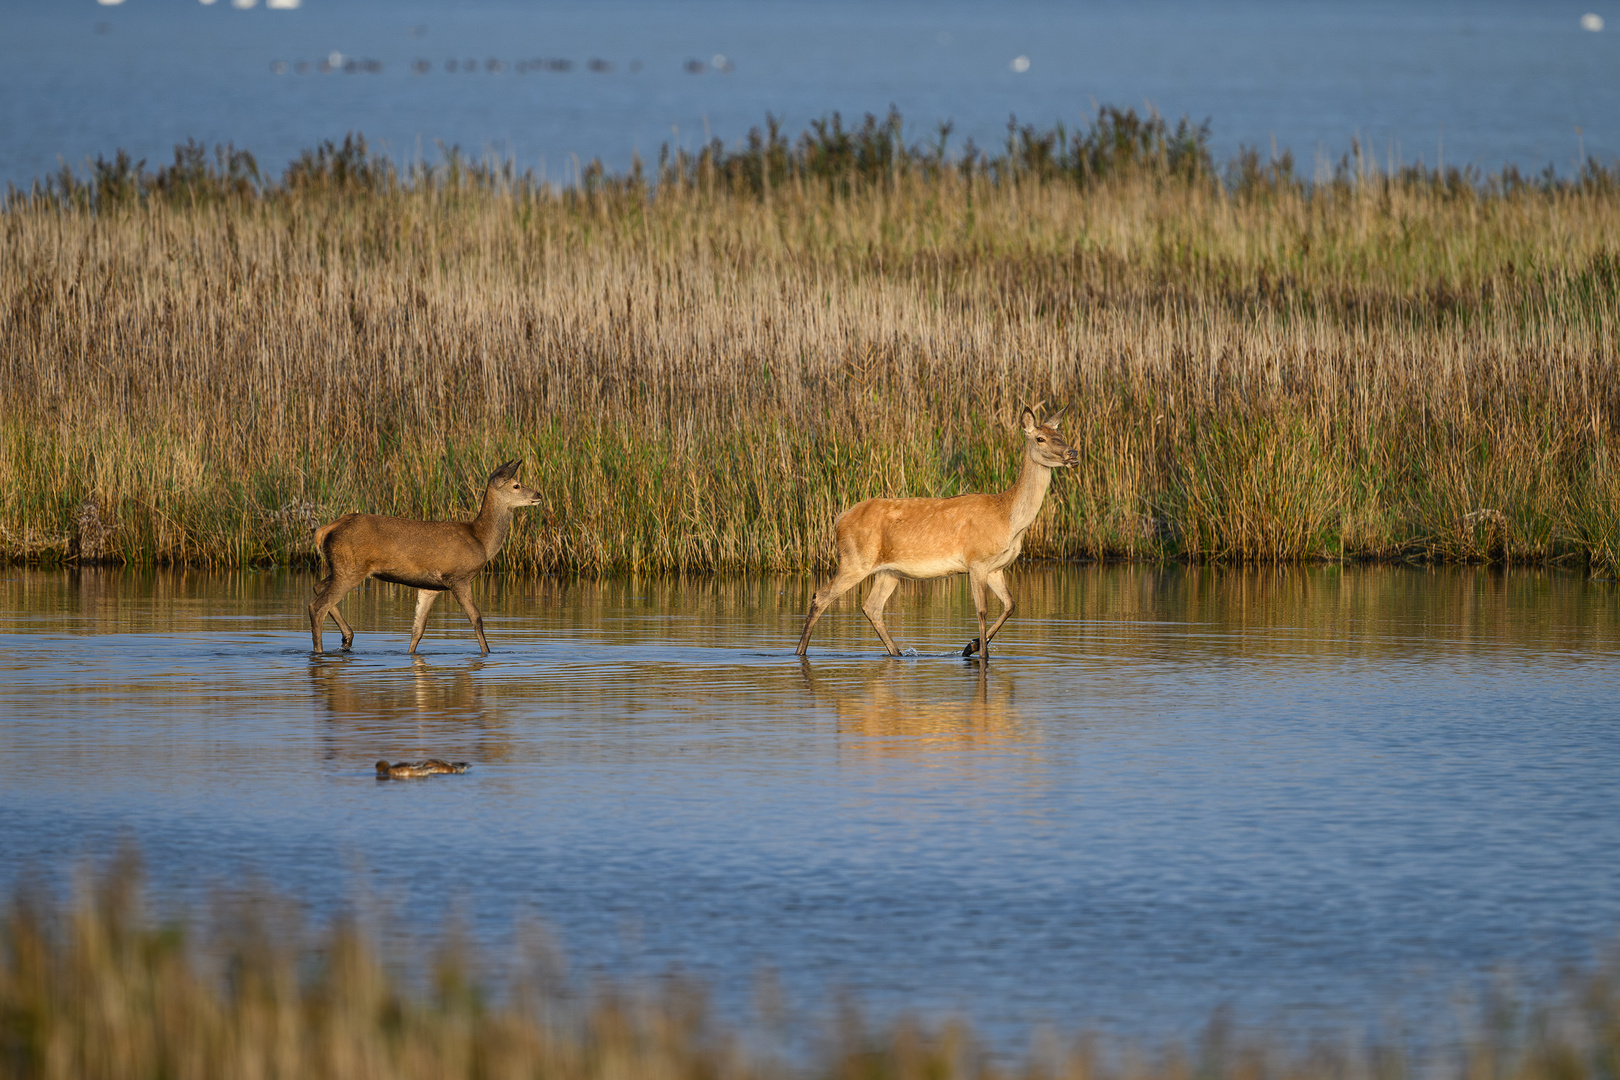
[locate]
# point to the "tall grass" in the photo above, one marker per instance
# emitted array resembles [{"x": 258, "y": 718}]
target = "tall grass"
[
  {"x": 703, "y": 365},
  {"x": 245, "y": 989}
]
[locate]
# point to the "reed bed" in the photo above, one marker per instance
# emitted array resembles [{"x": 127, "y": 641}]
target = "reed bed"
[
  {"x": 246, "y": 988},
  {"x": 704, "y": 364}
]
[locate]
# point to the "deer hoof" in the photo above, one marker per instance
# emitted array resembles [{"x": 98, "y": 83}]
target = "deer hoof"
[{"x": 970, "y": 648}]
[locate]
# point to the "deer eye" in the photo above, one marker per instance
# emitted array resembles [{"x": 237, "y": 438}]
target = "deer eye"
[{"x": 1040, "y": 440}]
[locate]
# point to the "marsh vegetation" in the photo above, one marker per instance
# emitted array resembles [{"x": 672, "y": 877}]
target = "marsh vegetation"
[
  {"x": 103, "y": 987},
  {"x": 704, "y": 361}
]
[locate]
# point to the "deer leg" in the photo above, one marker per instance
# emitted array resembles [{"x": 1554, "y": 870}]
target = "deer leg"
[
  {"x": 424, "y": 601},
  {"x": 462, "y": 591},
  {"x": 883, "y": 585},
  {"x": 998, "y": 585},
  {"x": 841, "y": 583},
  {"x": 980, "y": 644},
  {"x": 343, "y": 627},
  {"x": 327, "y": 595}
]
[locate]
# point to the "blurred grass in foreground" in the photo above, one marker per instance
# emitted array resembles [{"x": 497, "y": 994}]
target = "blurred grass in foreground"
[
  {"x": 99, "y": 990},
  {"x": 704, "y": 365}
]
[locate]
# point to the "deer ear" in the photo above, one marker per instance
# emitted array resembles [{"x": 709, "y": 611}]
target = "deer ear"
[
  {"x": 1029, "y": 421},
  {"x": 505, "y": 471},
  {"x": 1052, "y": 421}
]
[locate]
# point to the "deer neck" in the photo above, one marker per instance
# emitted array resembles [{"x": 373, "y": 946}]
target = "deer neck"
[
  {"x": 491, "y": 525},
  {"x": 1028, "y": 494}
]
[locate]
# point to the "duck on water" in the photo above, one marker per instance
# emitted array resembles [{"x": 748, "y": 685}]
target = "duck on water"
[{"x": 408, "y": 770}]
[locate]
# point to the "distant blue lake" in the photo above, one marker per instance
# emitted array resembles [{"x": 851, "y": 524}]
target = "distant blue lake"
[{"x": 1475, "y": 83}]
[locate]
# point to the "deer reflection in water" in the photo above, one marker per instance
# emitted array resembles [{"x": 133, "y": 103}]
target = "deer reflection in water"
[
  {"x": 908, "y": 713},
  {"x": 427, "y": 712}
]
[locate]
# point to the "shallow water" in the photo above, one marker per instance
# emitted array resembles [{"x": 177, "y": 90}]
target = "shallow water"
[
  {"x": 1459, "y": 82},
  {"x": 1325, "y": 797}
]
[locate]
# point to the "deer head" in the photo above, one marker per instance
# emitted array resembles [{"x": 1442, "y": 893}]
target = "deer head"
[
  {"x": 1043, "y": 442},
  {"x": 504, "y": 486}
]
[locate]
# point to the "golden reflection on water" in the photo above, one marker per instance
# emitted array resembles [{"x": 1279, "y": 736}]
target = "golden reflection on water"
[
  {"x": 1101, "y": 611},
  {"x": 896, "y": 712},
  {"x": 1318, "y": 611}
]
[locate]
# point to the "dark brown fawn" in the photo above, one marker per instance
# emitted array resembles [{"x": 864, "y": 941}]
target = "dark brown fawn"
[
  {"x": 979, "y": 535},
  {"x": 432, "y": 557}
]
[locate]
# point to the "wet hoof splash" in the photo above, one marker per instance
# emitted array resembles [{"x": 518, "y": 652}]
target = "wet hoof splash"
[
  {"x": 407, "y": 770},
  {"x": 970, "y": 648}
]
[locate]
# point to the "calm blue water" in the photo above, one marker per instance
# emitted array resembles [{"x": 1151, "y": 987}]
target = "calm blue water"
[
  {"x": 1327, "y": 798},
  {"x": 1475, "y": 82}
]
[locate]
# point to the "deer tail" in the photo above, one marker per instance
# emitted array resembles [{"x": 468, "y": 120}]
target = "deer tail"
[{"x": 320, "y": 538}]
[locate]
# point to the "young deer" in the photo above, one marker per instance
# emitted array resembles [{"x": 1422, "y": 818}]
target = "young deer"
[
  {"x": 429, "y": 556},
  {"x": 979, "y": 535}
]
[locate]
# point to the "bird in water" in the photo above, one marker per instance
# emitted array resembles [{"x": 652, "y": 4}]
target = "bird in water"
[{"x": 406, "y": 770}]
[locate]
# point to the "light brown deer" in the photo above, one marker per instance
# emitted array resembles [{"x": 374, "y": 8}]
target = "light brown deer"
[
  {"x": 979, "y": 535},
  {"x": 430, "y": 556}
]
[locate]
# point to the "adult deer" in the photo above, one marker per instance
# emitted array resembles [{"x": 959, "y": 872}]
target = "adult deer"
[
  {"x": 979, "y": 535},
  {"x": 432, "y": 557}
]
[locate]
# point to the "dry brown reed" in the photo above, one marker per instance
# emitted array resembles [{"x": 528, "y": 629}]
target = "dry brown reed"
[
  {"x": 702, "y": 372},
  {"x": 99, "y": 989}
]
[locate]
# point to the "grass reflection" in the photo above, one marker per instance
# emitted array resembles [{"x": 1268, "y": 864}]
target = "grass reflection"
[{"x": 1092, "y": 609}]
